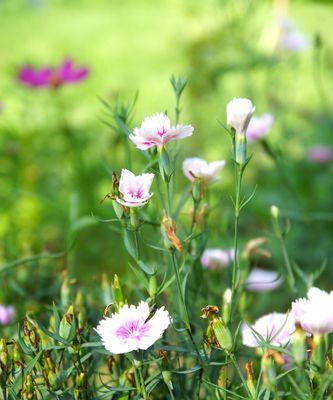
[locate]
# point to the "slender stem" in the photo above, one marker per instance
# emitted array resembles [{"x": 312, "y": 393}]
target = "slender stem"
[
  {"x": 169, "y": 203},
  {"x": 184, "y": 309},
  {"x": 234, "y": 361},
  {"x": 180, "y": 292},
  {"x": 237, "y": 205},
  {"x": 139, "y": 381}
]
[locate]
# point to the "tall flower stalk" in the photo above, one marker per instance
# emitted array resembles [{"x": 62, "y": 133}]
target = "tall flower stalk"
[{"x": 239, "y": 114}]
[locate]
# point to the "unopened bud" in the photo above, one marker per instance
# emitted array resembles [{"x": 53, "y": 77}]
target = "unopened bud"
[
  {"x": 250, "y": 379},
  {"x": 298, "y": 345},
  {"x": 275, "y": 212},
  {"x": 240, "y": 148},
  {"x": 117, "y": 292},
  {"x": 66, "y": 323}
]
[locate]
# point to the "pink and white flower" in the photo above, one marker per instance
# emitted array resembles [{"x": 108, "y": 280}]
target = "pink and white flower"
[
  {"x": 275, "y": 328},
  {"x": 156, "y": 130},
  {"x": 261, "y": 280},
  {"x": 315, "y": 313},
  {"x": 239, "y": 114},
  {"x": 198, "y": 168},
  {"x": 320, "y": 154},
  {"x": 259, "y": 127},
  {"x": 217, "y": 258},
  {"x": 6, "y": 314},
  {"x": 130, "y": 329},
  {"x": 134, "y": 189}
]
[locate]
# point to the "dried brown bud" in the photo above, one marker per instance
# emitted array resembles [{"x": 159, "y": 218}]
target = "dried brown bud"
[
  {"x": 209, "y": 311},
  {"x": 169, "y": 226}
]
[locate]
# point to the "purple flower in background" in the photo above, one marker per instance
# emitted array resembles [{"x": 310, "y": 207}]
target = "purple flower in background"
[
  {"x": 291, "y": 39},
  {"x": 261, "y": 280},
  {"x": 6, "y": 314},
  {"x": 217, "y": 258},
  {"x": 320, "y": 154},
  {"x": 259, "y": 127},
  {"x": 131, "y": 328},
  {"x": 275, "y": 328},
  {"x": 53, "y": 77}
]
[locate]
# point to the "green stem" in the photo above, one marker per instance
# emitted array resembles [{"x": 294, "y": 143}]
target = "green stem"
[
  {"x": 139, "y": 381},
  {"x": 235, "y": 267},
  {"x": 291, "y": 278},
  {"x": 184, "y": 309},
  {"x": 180, "y": 292},
  {"x": 234, "y": 361}
]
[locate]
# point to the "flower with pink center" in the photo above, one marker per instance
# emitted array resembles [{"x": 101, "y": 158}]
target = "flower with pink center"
[
  {"x": 259, "y": 127},
  {"x": 53, "y": 77},
  {"x": 274, "y": 328},
  {"x": 6, "y": 314},
  {"x": 217, "y": 258},
  {"x": 156, "y": 130},
  {"x": 320, "y": 154},
  {"x": 198, "y": 168},
  {"x": 261, "y": 280},
  {"x": 314, "y": 313},
  {"x": 131, "y": 328},
  {"x": 134, "y": 189}
]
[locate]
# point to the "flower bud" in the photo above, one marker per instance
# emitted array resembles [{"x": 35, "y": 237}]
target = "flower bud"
[
  {"x": 152, "y": 286},
  {"x": 117, "y": 292},
  {"x": 5, "y": 361},
  {"x": 268, "y": 371},
  {"x": 65, "y": 292},
  {"x": 167, "y": 378},
  {"x": 298, "y": 345},
  {"x": 17, "y": 355},
  {"x": 275, "y": 212},
  {"x": 250, "y": 379},
  {"x": 166, "y": 168},
  {"x": 66, "y": 323},
  {"x": 240, "y": 148},
  {"x": 318, "y": 355},
  {"x": 118, "y": 209},
  {"x": 222, "y": 335},
  {"x": 239, "y": 114}
]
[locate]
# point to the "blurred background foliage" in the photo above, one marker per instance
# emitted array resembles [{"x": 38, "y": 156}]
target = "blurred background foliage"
[{"x": 57, "y": 154}]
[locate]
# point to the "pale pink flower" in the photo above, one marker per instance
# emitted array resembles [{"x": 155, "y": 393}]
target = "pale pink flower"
[
  {"x": 156, "y": 130},
  {"x": 320, "y": 154},
  {"x": 198, "y": 168},
  {"x": 315, "y": 313},
  {"x": 239, "y": 114},
  {"x": 259, "y": 127},
  {"x": 134, "y": 189},
  {"x": 6, "y": 314},
  {"x": 217, "y": 258},
  {"x": 130, "y": 329},
  {"x": 261, "y": 280},
  {"x": 275, "y": 328},
  {"x": 291, "y": 39}
]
